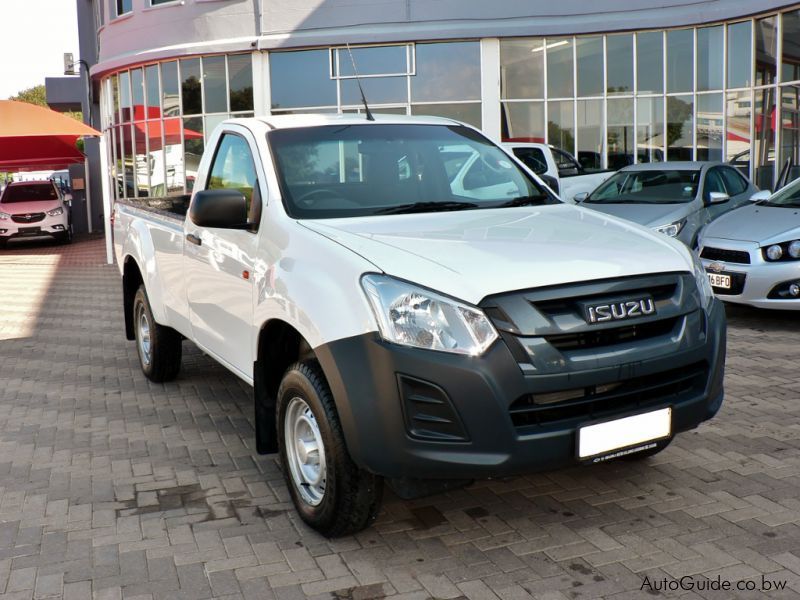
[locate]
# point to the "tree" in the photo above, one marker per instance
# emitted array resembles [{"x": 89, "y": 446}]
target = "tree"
[{"x": 38, "y": 95}]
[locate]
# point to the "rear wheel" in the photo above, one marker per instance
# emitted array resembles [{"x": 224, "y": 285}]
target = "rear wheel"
[
  {"x": 159, "y": 347},
  {"x": 329, "y": 491}
]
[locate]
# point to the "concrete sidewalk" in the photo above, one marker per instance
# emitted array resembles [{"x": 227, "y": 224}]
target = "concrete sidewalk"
[{"x": 113, "y": 487}]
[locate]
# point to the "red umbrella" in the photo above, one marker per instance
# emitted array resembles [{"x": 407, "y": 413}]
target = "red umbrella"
[{"x": 33, "y": 137}]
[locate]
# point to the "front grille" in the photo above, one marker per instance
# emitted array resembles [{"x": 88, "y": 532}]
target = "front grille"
[
  {"x": 740, "y": 257},
  {"x": 548, "y": 333},
  {"x": 594, "y": 402},
  {"x": 737, "y": 285},
  {"x": 28, "y": 218},
  {"x": 609, "y": 337}
]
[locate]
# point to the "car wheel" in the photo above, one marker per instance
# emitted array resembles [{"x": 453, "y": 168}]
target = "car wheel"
[
  {"x": 3, "y": 243},
  {"x": 329, "y": 491},
  {"x": 662, "y": 445},
  {"x": 159, "y": 347}
]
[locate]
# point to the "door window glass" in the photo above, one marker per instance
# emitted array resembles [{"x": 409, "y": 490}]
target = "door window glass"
[
  {"x": 233, "y": 169},
  {"x": 734, "y": 182},
  {"x": 533, "y": 158},
  {"x": 713, "y": 183}
]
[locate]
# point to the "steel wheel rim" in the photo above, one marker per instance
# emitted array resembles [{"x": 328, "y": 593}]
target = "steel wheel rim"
[
  {"x": 305, "y": 451},
  {"x": 143, "y": 329}
]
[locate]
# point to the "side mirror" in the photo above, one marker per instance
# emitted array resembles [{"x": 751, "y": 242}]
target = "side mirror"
[
  {"x": 225, "y": 209},
  {"x": 761, "y": 195},
  {"x": 580, "y": 197},
  {"x": 718, "y": 197}
]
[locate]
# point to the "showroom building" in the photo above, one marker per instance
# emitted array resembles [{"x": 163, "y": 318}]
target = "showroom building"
[{"x": 632, "y": 81}]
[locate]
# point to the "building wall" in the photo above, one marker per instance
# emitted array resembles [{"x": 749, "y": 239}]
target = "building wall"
[{"x": 612, "y": 86}]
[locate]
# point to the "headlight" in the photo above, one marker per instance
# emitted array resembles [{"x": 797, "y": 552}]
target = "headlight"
[
  {"x": 672, "y": 229},
  {"x": 414, "y": 316},
  {"x": 55, "y": 212},
  {"x": 4, "y": 216},
  {"x": 774, "y": 252},
  {"x": 794, "y": 249},
  {"x": 703, "y": 284}
]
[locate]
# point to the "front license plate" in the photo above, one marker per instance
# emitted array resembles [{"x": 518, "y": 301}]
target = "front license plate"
[
  {"x": 29, "y": 230},
  {"x": 720, "y": 281},
  {"x": 629, "y": 432}
]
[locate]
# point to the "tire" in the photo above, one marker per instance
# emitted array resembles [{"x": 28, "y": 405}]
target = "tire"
[
  {"x": 662, "y": 445},
  {"x": 3, "y": 243},
  {"x": 331, "y": 494},
  {"x": 159, "y": 347}
]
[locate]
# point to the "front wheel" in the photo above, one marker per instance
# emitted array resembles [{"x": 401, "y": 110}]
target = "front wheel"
[
  {"x": 329, "y": 491},
  {"x": 159, "y": 347}
]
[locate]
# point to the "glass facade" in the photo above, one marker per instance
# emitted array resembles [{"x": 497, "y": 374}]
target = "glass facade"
[
  {"x": 722, "y": 91},
  {"x": 439, "y": 79},
  {"x": 719, "y": 91},
  {"x": 157, "y": 118}
]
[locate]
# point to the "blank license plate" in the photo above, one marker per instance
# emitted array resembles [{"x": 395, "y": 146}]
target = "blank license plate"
[
  {"x": 720, "y": 281},
  {"x": 29, "y": 230},
  {"x": 628, "y": 432}
]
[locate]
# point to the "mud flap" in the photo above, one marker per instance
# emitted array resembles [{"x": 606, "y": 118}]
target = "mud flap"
[{"x": 265, "y": 426}]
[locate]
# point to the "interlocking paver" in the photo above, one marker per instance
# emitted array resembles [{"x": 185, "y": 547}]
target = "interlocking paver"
[{"x": 115, "y": 488}]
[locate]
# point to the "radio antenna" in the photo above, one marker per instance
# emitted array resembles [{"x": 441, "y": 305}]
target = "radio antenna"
[{"x": 360, "y": 89}]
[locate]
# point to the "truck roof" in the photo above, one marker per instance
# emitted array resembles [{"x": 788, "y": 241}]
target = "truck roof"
[{"x": 321, "y": 119}]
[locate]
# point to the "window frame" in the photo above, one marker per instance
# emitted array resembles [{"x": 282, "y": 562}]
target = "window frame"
[{"x": 252, "y": 227}]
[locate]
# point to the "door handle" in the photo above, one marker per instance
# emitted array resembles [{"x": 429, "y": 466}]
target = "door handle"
[{"x": 193, "y": 239}]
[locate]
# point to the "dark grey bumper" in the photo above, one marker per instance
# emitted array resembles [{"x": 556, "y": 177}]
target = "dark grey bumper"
[{"x": 410, "y": 413}]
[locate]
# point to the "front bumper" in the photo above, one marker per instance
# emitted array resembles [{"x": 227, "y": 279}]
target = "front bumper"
[
  {"x": 754, "y": 284},
  {"x": 378, "y": 387}
]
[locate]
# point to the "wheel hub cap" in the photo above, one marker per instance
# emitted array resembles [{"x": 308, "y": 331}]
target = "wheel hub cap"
[
  {"x": 305, "y": 452},
  {"x": 143, "y": 326}
]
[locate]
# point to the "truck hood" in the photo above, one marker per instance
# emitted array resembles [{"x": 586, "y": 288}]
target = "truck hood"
[
  {"x": 476, "y": 253},
  {"x": 650, "y": 215},
  {"x": 756, "y": 223},
  {"x": 23, "y": 208}
]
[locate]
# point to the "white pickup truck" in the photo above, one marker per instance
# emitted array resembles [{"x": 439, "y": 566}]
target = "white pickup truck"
[
  {"x": 403, "y": 319},
  {"x": 558, "y": 169}
]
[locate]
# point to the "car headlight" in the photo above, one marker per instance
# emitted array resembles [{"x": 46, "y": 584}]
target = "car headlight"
[
  {"x": 703, "y": 284},
  {"x": 4, "y": 216},
  {"x": 55, "y": 212},
  {"x": 671, "y": 229},
  {"x": 782, "y": 251},
  {"x": 418, "y": 317}
]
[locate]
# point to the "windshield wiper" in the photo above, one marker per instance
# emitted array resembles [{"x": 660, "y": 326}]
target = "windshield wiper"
[
  {"x": 524, "y": 201},
  {"x": 424, "y": 207}
]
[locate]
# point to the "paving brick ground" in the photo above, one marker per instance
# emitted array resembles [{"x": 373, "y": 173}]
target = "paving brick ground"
[{"x": 112, "y": 487}]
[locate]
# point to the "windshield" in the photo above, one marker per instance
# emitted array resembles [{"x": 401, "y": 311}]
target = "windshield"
[
  {"x": 29, "y": 192},
  {"x": 788, "y": 197},
  {"x": 657, "y": 186},
  {"x": 359, "y": 170}
]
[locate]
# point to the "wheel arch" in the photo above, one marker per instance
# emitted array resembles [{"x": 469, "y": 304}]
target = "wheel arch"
[{"x": 279, "y": 345}]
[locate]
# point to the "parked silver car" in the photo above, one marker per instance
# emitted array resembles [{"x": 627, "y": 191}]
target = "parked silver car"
[
  {"x": 676, "y": 198},
  {"x": 752, "y": 255}
]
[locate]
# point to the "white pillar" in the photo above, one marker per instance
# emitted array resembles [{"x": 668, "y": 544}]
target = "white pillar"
[
  {"x": 490, "y": 88},
  {"x": 106, "y": 192},
  {"x": 262, "y": 100}
]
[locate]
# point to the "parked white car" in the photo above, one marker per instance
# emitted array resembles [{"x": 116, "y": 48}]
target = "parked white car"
[
  {"x": 752, "y": 254},
  {"x": 30, "y": 209},
  {"x": 401, "y": 325},
  {"x": 558, "y": 169}
]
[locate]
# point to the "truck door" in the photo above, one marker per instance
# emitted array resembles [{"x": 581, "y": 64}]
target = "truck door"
[{"x": 219, "y": 262}]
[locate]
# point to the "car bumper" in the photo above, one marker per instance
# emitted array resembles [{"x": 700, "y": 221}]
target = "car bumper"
[
  {"x": 466, "y": 429},
  {"x": 757, "y": 284},
  {"x": 49, "y": 226}
]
